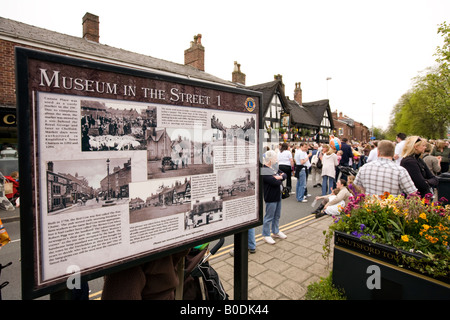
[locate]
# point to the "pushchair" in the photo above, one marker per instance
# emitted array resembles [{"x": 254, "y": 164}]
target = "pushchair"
[
  {"x": 4, "y": 284},
  {"x": 201, "y": 281},
  {"x": 346, "y": 171}
]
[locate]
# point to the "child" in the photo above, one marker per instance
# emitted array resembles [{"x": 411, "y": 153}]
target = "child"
[
  {"x": 354, "y": 189},
  {"x": 339, "y": 155}
]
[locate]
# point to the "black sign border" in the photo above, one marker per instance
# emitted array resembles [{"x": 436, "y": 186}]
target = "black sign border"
[{"x": 24, "y": 117}]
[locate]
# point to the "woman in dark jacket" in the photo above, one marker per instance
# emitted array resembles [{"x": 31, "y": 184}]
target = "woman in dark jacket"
[
  {"x": 273, "y": 180},
  {"x": 412, "y": 161}
]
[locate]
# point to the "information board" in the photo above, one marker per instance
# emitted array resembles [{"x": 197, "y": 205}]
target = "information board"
[{"x": 120, "y": 166}]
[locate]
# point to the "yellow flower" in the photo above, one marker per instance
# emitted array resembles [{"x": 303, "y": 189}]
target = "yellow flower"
[
  {"x": 423, "y": 216},
  {"x": 425, "y": 227},
  {"x": 431, "y": 239},
  {"x": 405, "y": 238}
]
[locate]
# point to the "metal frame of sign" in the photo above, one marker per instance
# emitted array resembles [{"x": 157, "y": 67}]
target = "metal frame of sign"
[{"x": 38, "y": 86}]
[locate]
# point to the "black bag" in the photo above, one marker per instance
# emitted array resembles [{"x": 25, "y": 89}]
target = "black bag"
[
  {"x": 215, "y": 290},
  {"x": 285, "y": 193},
  {"x": 319, "y": 164}
]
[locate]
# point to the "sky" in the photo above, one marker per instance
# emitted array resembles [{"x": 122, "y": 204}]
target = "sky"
[{"x": 371, "y": 49}]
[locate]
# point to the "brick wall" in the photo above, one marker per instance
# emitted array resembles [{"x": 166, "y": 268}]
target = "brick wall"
[
  {"x": 91, "y": 29},
  {"x": 7, "y": 74},
  {"x": 195, "y": 55}
]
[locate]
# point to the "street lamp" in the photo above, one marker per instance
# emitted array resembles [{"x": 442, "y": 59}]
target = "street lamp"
[
  {"x": 108, "y": 202},
  {"x": 328, "y": 78},
  {"x": 107, "y": 172},
  {"x": 372, "y": 120}
]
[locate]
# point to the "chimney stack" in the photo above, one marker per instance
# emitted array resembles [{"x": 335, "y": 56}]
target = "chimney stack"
[
  {"x": 298, "y": 93},
  {"x": 195, "y": 55},
  {"x": 280, "y": 78},
  {"x": 237, "y": 76},
  {"x": 91, "y": 27}
]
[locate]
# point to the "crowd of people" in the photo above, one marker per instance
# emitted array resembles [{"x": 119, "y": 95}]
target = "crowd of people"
[{"x": 410, "y": 164}]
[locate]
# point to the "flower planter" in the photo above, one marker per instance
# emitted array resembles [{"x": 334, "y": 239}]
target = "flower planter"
[{"x": 371, "y": 271}]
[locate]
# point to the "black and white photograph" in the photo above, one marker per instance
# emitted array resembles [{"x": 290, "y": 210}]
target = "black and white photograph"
[
  {"x": 73, "y": 186},
  {"x": 231, "y": 128},
  {"x": 108, "y": 126},
  {"x": 150, "y": 199},
  {"x": 236, "y": 183},
  {"x": 173, "y": 152},
  {"x": 204, "y": 212}
]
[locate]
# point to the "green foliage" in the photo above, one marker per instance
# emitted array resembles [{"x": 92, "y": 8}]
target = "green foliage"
[{"x": 324, "y": 290}]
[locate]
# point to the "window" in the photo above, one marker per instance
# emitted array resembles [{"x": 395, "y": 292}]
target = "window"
[
  {"x": 272, "y": 117},
  {"x": 56, "y": 189}
]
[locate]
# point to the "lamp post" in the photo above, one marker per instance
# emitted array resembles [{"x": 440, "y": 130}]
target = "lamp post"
[
  {"x": 108, "y": 202},
  {"x": 107, "y": 172},
  {"x": 328, "y": 78},
  {"x": 371, "y": 136}
]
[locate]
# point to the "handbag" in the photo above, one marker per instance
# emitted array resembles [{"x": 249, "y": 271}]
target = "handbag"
[
  {"x": 9, "y": 187},
  {"x": 319, "y": 164},
  {"x": 285, "y": 193}
]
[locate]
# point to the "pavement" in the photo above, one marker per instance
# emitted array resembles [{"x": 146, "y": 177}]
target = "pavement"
[
  {"x": 281, "y": 271},
  {"x": 10, "y": 216},
  {"x": 284, "y": 270}
]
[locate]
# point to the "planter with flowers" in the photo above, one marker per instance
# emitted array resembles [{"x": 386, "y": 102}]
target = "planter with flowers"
[{"x": 391, "y": 247}]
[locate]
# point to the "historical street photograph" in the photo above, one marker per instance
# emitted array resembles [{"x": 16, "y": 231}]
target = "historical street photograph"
[
  {"x": 151, "y": 199},
  {"x": 178, "y": 152},
  {"x": 109, "y": 126},
  {"x": 74, "y": 186}
]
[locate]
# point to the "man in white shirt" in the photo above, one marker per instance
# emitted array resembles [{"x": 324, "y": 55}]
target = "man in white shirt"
[
  {"x": 399, "y": 147},
  {"x": 301, "y": 164},
  {"x": 373, "y": 154}
]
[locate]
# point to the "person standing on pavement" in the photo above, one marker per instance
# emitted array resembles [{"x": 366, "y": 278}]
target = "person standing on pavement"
[
  {"x": 347, "y": 155},
  {"x": 285, "y": 163},
  {"x": 373, "y": 154},
  {"x": 399, "y": 147},
  {"x": 251, "y": 242},
  {"x": 441, "y": 149},
  {"x": 329, "y": 163},
  {"x": 316, "y": 172},
  {"x": 272, "y": 179},
  {"x": 433, "y": 163},
  {"x": 301, "y": 159}
]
